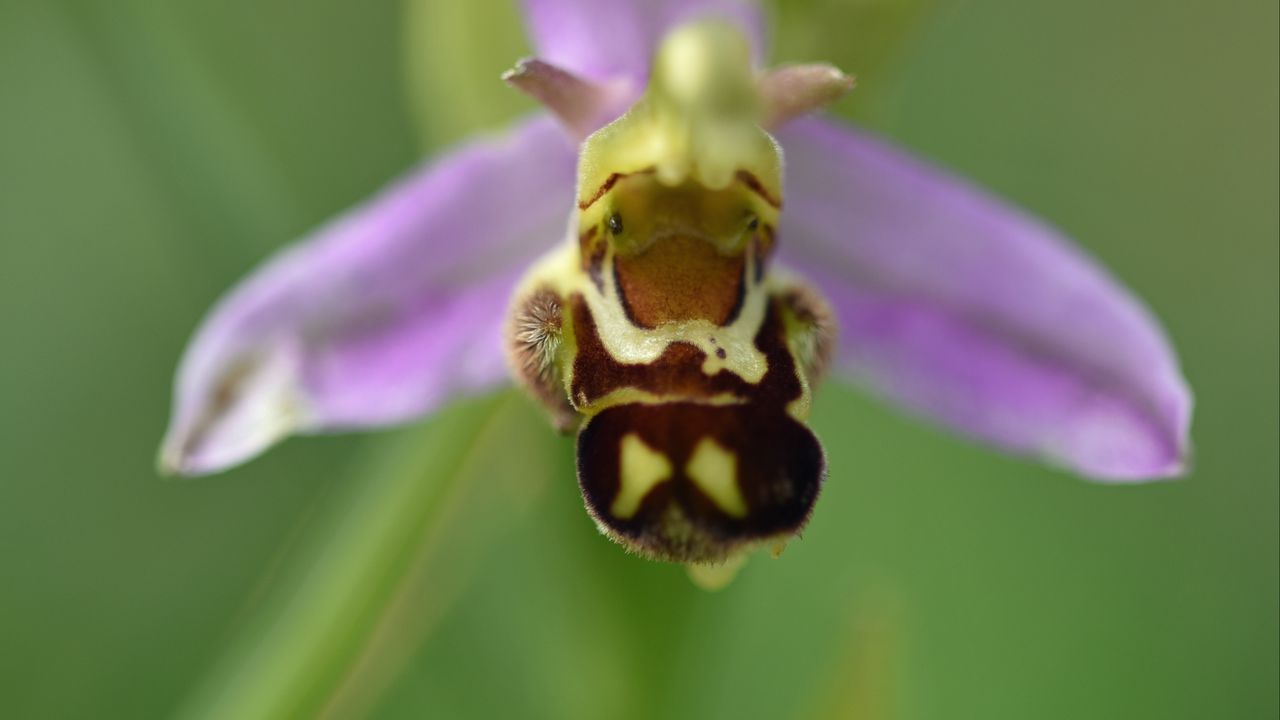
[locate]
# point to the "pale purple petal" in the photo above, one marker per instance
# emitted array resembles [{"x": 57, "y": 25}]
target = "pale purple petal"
[
  {"x": 383, "y": 314},
  {"x": 607, "y": 39},
  {"x": 961, "y": 308}
]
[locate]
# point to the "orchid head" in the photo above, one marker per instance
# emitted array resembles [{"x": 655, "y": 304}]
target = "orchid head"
[{"x": 671, "y": 311}]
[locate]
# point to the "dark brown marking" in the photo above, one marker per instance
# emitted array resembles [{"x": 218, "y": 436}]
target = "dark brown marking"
[
  {"x": 741, "y": 297},
  {"x": 592, "y": 252},
  {"x": 607, "y": 185},
  {"x": 751, "y": 181},
  {"x": 677, "y": 372},
  {"x": 622, "y": 299},
  {"x": 762, "y": 244},
  {"x": 780, "y": 464},
  {"x": 754, "y": 184},
  {"x": 780, "y": 469}
]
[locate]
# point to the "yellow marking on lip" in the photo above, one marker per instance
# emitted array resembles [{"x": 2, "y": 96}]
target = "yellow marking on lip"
[
  {"x": 630, "y": 396},
  {"x": 715, "y": 471},
  {"x": 640, "y": 468},
  {"x": 631, "y": 345}
]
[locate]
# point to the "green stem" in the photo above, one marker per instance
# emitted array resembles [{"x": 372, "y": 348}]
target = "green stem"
[{"x": 320, "y": 620}]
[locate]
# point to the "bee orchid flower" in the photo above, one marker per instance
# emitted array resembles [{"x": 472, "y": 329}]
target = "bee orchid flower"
[{"x": 708, "y": 249}]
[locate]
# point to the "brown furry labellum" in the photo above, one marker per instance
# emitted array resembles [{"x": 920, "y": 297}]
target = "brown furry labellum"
[
  {"x": 658, "y": 330},
  {"x": 685, "y": 366}
]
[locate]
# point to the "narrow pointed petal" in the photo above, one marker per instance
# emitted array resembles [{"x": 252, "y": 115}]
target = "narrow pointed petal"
[
  {"x": 959, "y": 307},
  {"x": 380, "y": 316},
  {"x": 607, "y": 39},
  {"x": 582, "y": 106},
  {"x": 798, "y": 90}
]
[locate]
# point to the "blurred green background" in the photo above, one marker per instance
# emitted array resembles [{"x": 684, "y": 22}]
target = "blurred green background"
[{"x": 151, "y": 152}]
